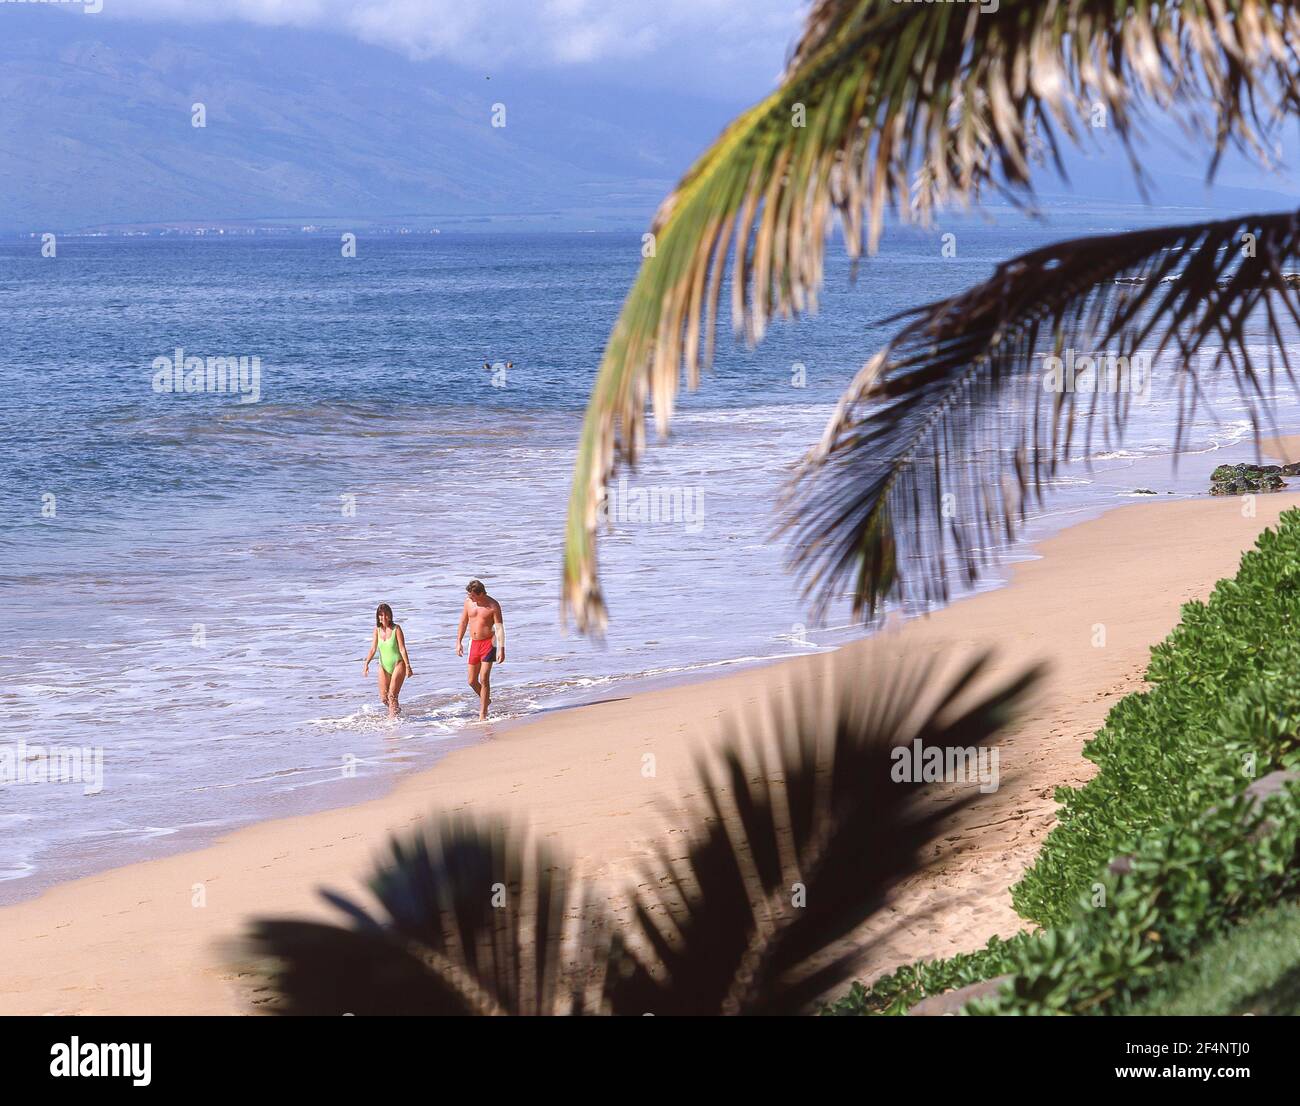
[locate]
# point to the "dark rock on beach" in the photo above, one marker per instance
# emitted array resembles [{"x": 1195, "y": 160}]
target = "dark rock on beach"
[{"x": 1245, "y": 479}]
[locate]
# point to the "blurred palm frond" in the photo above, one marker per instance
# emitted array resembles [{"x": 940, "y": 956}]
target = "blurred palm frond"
[
  {"x": 479, "y": 920},
  {"x": 798, "y": 841}
]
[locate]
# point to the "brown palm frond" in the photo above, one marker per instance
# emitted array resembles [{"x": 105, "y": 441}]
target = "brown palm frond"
[
  {"x": 904, "y": 107},
  {"x": 949, "y": 433},
  {"x": 802, "y": 830}
]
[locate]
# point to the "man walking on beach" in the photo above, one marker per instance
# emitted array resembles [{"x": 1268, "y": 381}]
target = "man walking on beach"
[{"x": 487, "y": 640}]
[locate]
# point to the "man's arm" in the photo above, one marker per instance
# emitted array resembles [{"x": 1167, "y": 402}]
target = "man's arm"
[
  {"x": 499, "y": 629},
  {"x": 460, "y": 630}
]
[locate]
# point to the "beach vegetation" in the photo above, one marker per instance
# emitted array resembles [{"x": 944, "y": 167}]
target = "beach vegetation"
[
  {"x": 1222, "y": 709},
  {"x": 1164, "y": 848}
]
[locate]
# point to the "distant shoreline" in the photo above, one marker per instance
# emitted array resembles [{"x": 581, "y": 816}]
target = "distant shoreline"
[{"x": 1065, "y": 208}]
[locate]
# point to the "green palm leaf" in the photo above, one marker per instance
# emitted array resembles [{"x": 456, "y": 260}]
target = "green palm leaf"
[{"x": 904, "y": 106}]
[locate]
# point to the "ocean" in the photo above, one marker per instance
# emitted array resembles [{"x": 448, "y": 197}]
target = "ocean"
[{"x": 190, "y": 580}]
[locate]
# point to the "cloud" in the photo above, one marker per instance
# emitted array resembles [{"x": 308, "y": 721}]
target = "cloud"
[{"x": 745, "y": 39}]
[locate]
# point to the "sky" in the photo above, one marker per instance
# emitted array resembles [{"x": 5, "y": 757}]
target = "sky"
[
  {"x": 714, "y": 47},
  {"x": 371, "y": 109},
  {"x": 382, "y": 109}
]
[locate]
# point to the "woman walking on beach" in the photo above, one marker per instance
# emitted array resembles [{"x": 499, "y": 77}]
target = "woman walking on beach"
[{"x": 394, "y": 664}]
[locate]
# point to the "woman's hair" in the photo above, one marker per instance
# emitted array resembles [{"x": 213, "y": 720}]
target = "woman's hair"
[{"x": 382, "y": 609}]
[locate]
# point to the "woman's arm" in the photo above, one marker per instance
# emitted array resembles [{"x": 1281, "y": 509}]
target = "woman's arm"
[
  {"x": 401, "y": 646},
  {"x": 374, "y": 644}
]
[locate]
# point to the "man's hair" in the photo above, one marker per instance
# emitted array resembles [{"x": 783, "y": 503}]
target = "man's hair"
[{"x": 474, "y": 587}]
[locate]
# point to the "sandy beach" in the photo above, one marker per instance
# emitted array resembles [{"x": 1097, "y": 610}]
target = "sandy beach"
[{"x": 131, "y": 940}]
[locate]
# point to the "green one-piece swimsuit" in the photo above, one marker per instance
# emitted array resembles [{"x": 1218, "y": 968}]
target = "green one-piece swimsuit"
[{"x": 388, "y": 652}]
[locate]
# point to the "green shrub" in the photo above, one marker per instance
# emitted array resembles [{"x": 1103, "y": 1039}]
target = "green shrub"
[
  {"x": 1224, "y": 708},
  {"x": 894, "y": 993},
  {"x": 1189, "y": 882}
]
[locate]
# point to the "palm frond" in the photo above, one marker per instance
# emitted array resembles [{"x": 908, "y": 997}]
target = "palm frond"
[
  {"x": 801, "y": 831},
  {"x": 316, "y": 968},
  {"x": 951, "y": 432},
  {"x": 904, "y": 107},
  {"x": 478, "y": 920}
]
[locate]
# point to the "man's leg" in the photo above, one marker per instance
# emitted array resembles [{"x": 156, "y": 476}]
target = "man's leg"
[
  {"x": 473, "y": 678},
  {"x": 485, "y": 695}
]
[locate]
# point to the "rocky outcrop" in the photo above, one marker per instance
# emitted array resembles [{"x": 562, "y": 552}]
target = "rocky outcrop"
[{"x": 1246, "y": 479}]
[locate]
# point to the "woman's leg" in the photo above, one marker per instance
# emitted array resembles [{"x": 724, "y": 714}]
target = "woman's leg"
[
  {"x": 383, "y": 686},
  {"x": 395, "y": 686}
]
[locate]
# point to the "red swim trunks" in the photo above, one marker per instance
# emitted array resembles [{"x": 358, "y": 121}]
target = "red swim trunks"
[{"x": 480, "y": 651}]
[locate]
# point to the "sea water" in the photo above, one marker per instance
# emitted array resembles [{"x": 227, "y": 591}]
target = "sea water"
[{"x": 189, "y": 577}]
